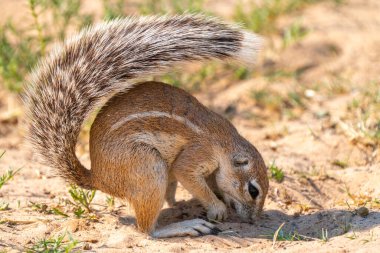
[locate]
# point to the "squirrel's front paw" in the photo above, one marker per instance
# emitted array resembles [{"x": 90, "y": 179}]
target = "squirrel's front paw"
[{"x": 217, "y": 211}]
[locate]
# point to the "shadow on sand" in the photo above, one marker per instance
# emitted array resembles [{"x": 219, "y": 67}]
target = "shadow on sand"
[{"x": 336, "y": 222}]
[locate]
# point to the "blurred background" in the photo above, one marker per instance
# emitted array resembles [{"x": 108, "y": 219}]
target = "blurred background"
[{"x": 311, "y": 104}]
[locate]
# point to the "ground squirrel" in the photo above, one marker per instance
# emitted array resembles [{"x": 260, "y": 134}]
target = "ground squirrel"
[{"x": 150, "y": 135}]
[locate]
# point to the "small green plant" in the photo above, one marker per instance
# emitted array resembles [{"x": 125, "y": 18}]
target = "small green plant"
[
  {"x": 295, "y": 100},
  {"x": 353, "y": 236},
  {"x": 341, "y": 164},
  {"x": 193, "y": 80},
  {"x": 65, "y": 15},
  {"x": 291, "y": 106},
  {"x": 370, "y": 239},
  {"x": 110, "y": 200},
  {"x": 82, "y": 198},
  {"x": 155, "y": 7},
  {"x": 16, "y": 56},
  {"x": 325, "y": 235},
  {"x": 265, "y": 99},
  {"x": 43, "y": 208},
  {"x": 8, "y": 175},
  {"x": 79, "y": 212},
  {"x": 276, "y": 173},
  {"x": 290, "y": 236},
  {"x": 113, "y": 9},
  {"x": 346, "y": 226},
  {"x": 261, "y": 18},
  {"x": 293, "y": 33},
  {"x": 363, "y": 116},
  {"x": 242, "y": 73},
  {"x": 54, "y": 245},
  {"x": 279, "y": 74},
  {"x": 4, "y": 206},
  {"x": 280, "y": 235},
  {"x": 258, "y": 18},
  {"x": 20, "y": 48},
  {"x": 275, "y": 235},
  {"x": 357, "y": 201}
]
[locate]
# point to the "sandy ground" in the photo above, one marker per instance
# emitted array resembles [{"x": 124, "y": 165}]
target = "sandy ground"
[{"x": 344, "y": 42}]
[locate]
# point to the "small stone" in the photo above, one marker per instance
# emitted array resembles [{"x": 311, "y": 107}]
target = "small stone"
[
  {"x": 309, "y": 93},
  {"x": 273, "y": 145},
  {"x": 362, "y": 211},
  {"x": 87, "y": 246}
]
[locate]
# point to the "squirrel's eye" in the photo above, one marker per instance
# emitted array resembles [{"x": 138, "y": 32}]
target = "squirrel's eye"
[
  {"x": 239, "y": 160},
  {"x": 253, "y": 191},
  {"x": 239, "y": 163}
]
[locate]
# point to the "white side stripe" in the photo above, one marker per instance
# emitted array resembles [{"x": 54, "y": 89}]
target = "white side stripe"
[{"x": 156, "y": 114}]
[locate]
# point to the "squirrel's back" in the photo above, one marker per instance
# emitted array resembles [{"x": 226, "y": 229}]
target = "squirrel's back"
[
  {"x": 106, "y": 59},
  {"x": 155, "y": 100}
]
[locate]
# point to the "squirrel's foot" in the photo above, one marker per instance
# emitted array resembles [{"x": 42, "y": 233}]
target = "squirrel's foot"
[
  {"x": 171, "y": 202},
  {"x": 195, "y": 227},
  {"x": 217, "y": 211}
]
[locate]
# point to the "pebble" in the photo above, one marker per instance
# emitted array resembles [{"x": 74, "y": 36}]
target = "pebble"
[{"x": 362, "y": 211}]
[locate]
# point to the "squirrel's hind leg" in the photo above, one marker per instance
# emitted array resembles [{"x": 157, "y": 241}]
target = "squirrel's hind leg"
[
  {"x": 148, "y": 186},
  {"x": 147, "y": 183},
  {"x": 170, "y": 191}
]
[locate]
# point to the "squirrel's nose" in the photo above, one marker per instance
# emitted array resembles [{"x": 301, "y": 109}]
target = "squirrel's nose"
[{"x": 253, "y": 191}]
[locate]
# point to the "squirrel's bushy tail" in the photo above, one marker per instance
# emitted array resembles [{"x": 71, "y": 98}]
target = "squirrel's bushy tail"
[{"x": 108, "y": 58}]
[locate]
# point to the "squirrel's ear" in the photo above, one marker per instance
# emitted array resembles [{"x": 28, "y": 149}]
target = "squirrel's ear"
[{"x": 239, "y": 160}]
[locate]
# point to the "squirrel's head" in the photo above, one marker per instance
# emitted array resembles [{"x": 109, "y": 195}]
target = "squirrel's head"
[{"x": 243, "y": 181}]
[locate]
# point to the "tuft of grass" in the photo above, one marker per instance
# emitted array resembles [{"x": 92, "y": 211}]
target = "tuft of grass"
[
  {"x": 242, "y": 73},
  {"x": 325, "y": 235},
  {"x": 113, "y": 9},
  {"x": 370, "y": 239},
  {"x": 155, "y": 7},
  {"x": 65, "y": 14},
  {"x": 192, "y": 80},
  {"x": 293, "y": 33},
  {"x": 262, "y": 17},
  {"x": 79, "y": 212},
  {"x": 278, "y": 74},
  {"x": 4, "y": 206},
  {"x": 110, "y": 200},
  {"x": 82, "y": 199},
  {"x": 54, "y": 245},
  {"x": 281, "y": 235},
  {"x": 276, "y": 173},
  {"x": 265, "y": 99},
  {"x": 44, "y": 208},
  {"x": 290, "y": 105},
  {"x": 303, "y": 208},
  {"x": 363, "y": 117},
  {"x": 8, "y": 175},
  {"x": 20, "y": 48},
  {"x": 275, "y": 235},
  {"x": 17, "y": 56},
  {"x": 356, "y": 201},
  {"x": 353, "y": 236},
  {"x": 346, "y": 227},
  {"x": 341, "y": 164}
]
